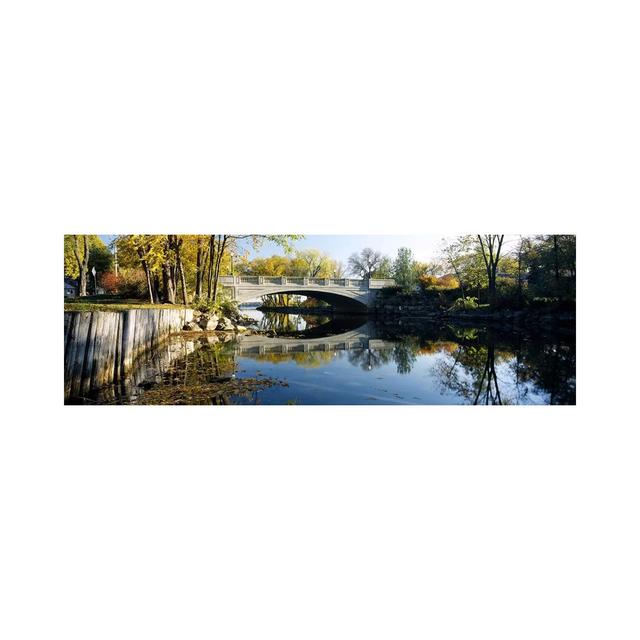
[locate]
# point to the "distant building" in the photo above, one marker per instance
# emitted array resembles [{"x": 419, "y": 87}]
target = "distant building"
[{"x": 70, "y": 288}]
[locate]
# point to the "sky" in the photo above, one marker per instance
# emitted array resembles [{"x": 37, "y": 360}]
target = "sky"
[
  {"x": 425, "y": 247},
  {"x": 340, "y": 247}
]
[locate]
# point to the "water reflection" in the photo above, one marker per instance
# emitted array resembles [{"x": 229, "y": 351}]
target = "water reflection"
[
  {"x": 367, "y": 363},
  {"x": 286, "y": 323}
]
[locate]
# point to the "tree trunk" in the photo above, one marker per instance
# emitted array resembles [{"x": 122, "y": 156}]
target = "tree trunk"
[
  {"x": 491, "y": 257},
  {"x": 168, "y": 284},
  {"x": 177, "y": 271},
  {"x": 83, "y": 263},
  {"x": 199, "y": 268},
  {"x": 211, "y": 258},
  {"x": 147, "y": 273},
  {"x": 183, "y": 282},
  {"x": 222, "y": 241},
  {"x": 556, "y": 263}
]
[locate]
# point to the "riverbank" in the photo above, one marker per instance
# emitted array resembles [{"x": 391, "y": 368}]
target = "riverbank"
[
  {"x": 103, "y": 341},
  {"x": 411, "y": 308}
]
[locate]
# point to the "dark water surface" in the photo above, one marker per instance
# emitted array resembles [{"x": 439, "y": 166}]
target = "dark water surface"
[{"x": 355, "y": 360}]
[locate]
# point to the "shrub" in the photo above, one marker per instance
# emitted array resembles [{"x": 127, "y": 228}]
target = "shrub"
[
  {"x": 436, "y": 283},
  {"x": 225, "y": 307},
  {"x": 204, "y": 306},
  {"x": 109, "y": 282},
  {"x": 448, "y": 281},
  {"x": 427, "y": 282},
  {"x": 132, "y": 283},
  {"x": 388, "y": 292},
  {"x": 464, "y": 304},
  {"x": 228, "y": 308}
]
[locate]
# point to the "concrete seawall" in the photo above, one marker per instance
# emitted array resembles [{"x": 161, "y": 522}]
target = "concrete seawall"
[{"x": 100, "y": 347}]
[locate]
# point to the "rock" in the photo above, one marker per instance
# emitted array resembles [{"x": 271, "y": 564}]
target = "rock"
[
  {"x": 208, "y": 322},
  {"x": 211, "y": 324},
  {"x": 241, "y": 328},
  {"x": 212, "y": 339},
  {"x": 191, "y": 326},
  {"x": 225, "y": 325}
]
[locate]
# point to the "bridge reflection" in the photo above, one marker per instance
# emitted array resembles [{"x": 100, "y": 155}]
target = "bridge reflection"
[{"x": 364, "y": 337}]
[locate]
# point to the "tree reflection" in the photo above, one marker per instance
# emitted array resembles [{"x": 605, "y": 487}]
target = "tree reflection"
[
  {"x": 405, "y": 354},
  {"x": 310, "y": 359},
  {"x": 472, "y": 365},
  {"x": 485, "y": 371},
  {"x": 550, "y": 367},
  {"x": 369, "y": 359},
  {"x": 470, "y": 372}
]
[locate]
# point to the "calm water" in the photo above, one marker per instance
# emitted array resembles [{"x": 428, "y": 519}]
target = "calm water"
[{"x": 356, "y": 361}]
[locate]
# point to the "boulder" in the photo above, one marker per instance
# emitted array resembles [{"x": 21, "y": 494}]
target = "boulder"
[
  {"x": 191, "y": 326},
  {"x": 208, "y": 322},
  {"x": 225, "y": 325},
  {"x": 211, "y": 324}
]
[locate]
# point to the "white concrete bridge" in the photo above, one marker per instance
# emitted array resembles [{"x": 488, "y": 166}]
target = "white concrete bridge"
[{"x": 346, "y": 294}]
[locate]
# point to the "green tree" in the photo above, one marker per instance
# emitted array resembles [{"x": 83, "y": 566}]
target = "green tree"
[
  {"x": 404, "y": 270},
  {"x": 384, "y": 269},
  {"x": 82, "y": 253}
]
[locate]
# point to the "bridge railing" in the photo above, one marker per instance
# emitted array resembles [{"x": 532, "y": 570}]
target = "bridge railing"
[
  {"x": 373, "y": 283},
  {"x": 381, "y": 283}
]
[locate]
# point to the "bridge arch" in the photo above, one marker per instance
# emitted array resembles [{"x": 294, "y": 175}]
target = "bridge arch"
[
  {"x": 342, "y": 293},
  {"x": 343, "y": 301}
]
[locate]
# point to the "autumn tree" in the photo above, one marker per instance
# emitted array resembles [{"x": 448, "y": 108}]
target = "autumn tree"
[{"x": 317, "y": 264}]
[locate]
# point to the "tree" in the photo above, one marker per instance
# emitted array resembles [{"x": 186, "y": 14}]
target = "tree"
[
  {"x": 148, "y": 253},
  {"x": 175, "y": 243},
  {"x": 81, "y": 253},
  {"x": 404, "y": 269},
  {"x": 317, "y": 264},
  {"x": 99, "y": 257},
  {"x": 364, "y": 264},
  {"x": 384, "y": 269},
  {"x": 491, "y": 245},
  {"x": 220, "y": 245},
  {"x": 522, "y": 250},
  {"x": 338, "y": 270},
  {"x": 455, "y": 254}
]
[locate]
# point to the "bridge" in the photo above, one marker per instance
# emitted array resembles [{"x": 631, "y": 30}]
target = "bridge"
[{"x": 343, "y": 294}]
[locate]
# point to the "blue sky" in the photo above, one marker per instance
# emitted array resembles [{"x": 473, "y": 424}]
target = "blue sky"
[{"x": 340, "y": 247}]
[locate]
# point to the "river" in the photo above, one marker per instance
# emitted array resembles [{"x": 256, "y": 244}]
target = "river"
[{"x": 315, "y": 359}]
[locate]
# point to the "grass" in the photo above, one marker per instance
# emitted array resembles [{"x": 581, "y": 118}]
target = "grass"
[{"x": 106, "y": 303}]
